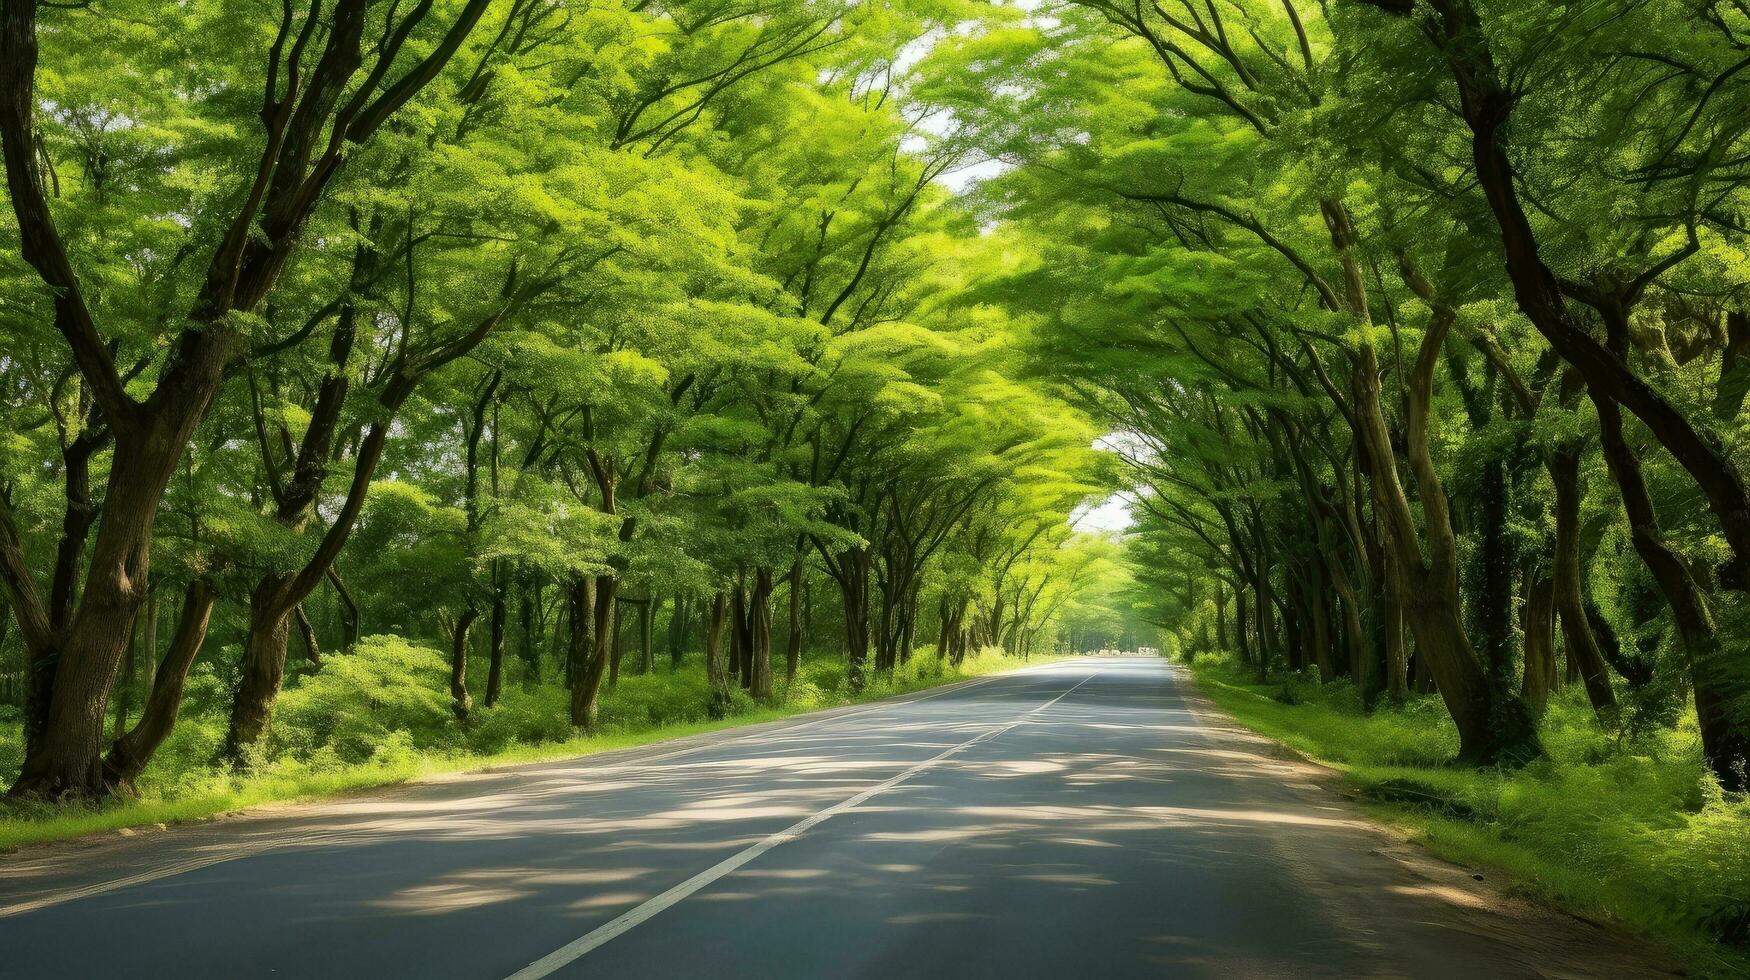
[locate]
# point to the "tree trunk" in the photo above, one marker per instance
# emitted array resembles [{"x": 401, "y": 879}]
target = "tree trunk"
[
  {"x": 581, "y": 603},
  {"x": 793, "y": 645},
  {"x": 1241, "y": 618},
  {"x": 677, "y": 631},
  {"x": 307, "y": 633},
  {"x": 1220, "y": 617},
  {"x": 1537, "y": 619},
  {"x": 1577, "y": 636},
  {"x": 1493, "y": 725},
  {"x": 129, "y": 754},
  {"x": 1495, "y": 596},
  {"x": 124, "y": 702},
  {"x": 460, "y": 701},
  {"x": 760, "y": 619},
  {"x": 1354, "y": 639},
  {"x": 586, "y": 696},
  {"x": 530, "y": 646},
  {"x": 617, "y": 648},
  {"x": 1718, "y": 683},
  {"x": 1397, "y": 659},
  {"x": 264, "y": 665},
  {"x": 908, "y": 627},
  {"x": 495, "y": 639},
  {"x": 646, "y": 656},
  {"x": 715, "y": 675},
  {"x": 1734, "y": 381},
  {"x": 70, "y": 678},
  {"x": 1322, "y": 643},
  {"x": 854, "y": 590},
  {"x": 349, "y": 612}
]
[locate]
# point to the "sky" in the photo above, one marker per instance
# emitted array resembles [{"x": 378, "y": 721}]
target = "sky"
[{"x": 1111, "y": 514}]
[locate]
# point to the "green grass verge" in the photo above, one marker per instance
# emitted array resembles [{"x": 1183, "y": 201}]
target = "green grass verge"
[
  {"x": 1630, "y": 830},
  {"x": 642, "y": 710}
]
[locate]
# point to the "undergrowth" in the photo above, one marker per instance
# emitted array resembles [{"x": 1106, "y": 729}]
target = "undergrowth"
[
  {"x": 381, "y": 715},
  {"x": 1614, "y": 826}
]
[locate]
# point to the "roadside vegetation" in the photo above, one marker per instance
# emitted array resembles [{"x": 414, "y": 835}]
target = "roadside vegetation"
[
  {"x": 384, "y": 718},
  {"x": 385, "y": 382},
  {"x": 1613, "y": 826}
]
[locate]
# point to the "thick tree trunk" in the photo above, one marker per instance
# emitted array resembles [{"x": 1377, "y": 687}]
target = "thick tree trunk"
[
  {"x": 740, "y": 636},
  {"x": 586, "y": 696},
  {"x": 65, "y": 757},
  {"x": 581, "y": 602},
  {"x": 263, "y": 669},
  {"x": 1537, "y": 620}
]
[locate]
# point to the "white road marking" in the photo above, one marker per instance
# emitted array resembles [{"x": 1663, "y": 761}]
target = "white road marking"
[
  {"x": 239, "y": 852},
  {"x": 626, "y": 922},
  {"x": 805, "y": 722}
]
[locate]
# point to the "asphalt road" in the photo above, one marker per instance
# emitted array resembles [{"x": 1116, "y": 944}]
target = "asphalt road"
[{"x": 1092, "y": 818}]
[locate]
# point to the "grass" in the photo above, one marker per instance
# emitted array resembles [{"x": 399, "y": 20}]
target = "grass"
[
  {"x": 1625, "y": 829},
  {"x": 378, "y": 729}
]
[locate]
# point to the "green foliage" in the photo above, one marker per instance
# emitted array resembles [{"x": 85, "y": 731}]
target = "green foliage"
[
  {"x": 1633, "y": 829},
  {"x": 382, "y": 714},
  {"x": 360, "y": 704}
]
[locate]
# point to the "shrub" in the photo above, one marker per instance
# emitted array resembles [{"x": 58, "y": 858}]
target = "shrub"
[{"x": 385, "y": 686}]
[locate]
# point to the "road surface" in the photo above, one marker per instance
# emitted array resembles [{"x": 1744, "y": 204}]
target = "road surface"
[{"x": 1090, "y": 818}]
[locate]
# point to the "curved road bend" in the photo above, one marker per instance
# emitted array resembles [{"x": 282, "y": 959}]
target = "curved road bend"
[{"x": 1091, "y": 818}]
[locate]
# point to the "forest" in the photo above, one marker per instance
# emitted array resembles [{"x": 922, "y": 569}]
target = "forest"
[{"x": 386, "y": 379}]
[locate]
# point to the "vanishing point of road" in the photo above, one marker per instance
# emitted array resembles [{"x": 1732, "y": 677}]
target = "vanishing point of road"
[{"x": 1088, "y": 818}]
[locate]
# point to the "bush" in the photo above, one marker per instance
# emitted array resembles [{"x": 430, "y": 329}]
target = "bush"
[
  {"x": 385, "y": 686},
  {"x": 523, "y": 716}
]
